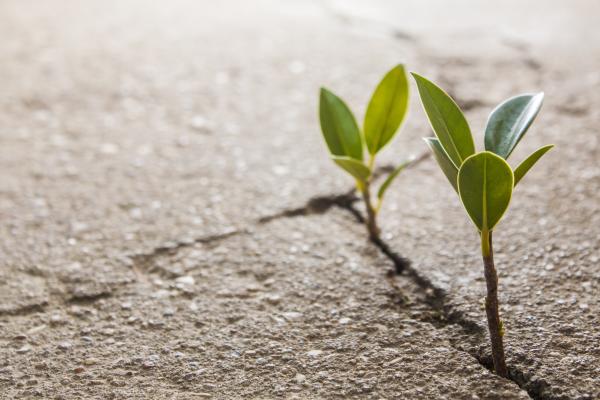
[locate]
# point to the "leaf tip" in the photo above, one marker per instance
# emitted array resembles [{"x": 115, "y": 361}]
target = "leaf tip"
[
  {"x": 429, "y": 142},
  {"x": 399, "y": 67},
  {"x": 539, "y": 98},
  {"x": 418, "y": 78},
  {"x": 548, "y": 147}
]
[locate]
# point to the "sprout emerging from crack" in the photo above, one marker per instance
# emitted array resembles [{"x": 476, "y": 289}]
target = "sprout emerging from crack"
[
  {"x": 345, "y": 140},
  {"x": 484, "y": 181}
]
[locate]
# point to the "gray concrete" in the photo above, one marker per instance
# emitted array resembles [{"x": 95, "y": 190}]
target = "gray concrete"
[
  {"x": 141, "y": 143},
  {"x": 275, "y": 312}
]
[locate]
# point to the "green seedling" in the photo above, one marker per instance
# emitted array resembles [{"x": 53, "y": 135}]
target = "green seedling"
[
  {"x": 347, "y": 142},
  {"x": 484, "y": 181}
]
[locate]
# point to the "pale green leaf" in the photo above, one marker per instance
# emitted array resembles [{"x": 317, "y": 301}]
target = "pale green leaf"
[
  {"x": 354, "y": 167},
  {"x": 448, "y": 168},
  {"x": 447, "y": 120},
  {"x": 509, "y": 121},
  {"x": 529, "y": 162},
  {"x": 390, "y": 178},
  {"x": 386, "y": 109},
  {"x": 485, "y": 183},
  {"x": 339, "y": 126}
]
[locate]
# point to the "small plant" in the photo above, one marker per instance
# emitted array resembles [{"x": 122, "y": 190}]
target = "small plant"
[
  {"x": 484, "y": 181},
  {"x": 346, "y": 140}
]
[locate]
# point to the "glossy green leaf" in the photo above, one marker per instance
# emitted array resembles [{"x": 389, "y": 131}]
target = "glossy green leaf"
[
  {"x": 386, "y": 109},
  {"x": 339, "y": 126},
  {"x": 390, "y": 178},
  {"x": 447, "y": 121},
  {"x": 529, "y": 162},
  {"x": 448, "y": 168},
  {"x": 356, "y": 168},
  {"x": 509, "y": 121},
  {"x": 485, "y": 183}
]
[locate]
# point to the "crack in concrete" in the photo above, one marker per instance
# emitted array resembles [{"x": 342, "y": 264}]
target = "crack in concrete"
[
  {"x": 321, "y": 204},
  {"x": 316, "y": 205},
  {"x": 141, "y": 262},
  {"x": 435, "y": 297}
]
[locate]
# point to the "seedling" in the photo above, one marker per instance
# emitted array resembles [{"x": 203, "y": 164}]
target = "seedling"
[
  {"x": 484, "y": 181},
  {"x": 346, "y": 141}
]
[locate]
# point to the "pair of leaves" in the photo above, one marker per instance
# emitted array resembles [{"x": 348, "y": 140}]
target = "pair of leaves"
[
  {"x": 484, "y": 181},
  {"x": 385, "y": 113}
]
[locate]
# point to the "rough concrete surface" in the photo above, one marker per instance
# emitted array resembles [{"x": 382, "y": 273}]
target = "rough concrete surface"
[
  {"x": 141, "y": 146},
  {"x": 271, "y": 312}
]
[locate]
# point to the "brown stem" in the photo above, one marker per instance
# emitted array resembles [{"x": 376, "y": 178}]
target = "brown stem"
[
  {"x": 371, "y": 222},
  {"x": 491, "y": 306}
]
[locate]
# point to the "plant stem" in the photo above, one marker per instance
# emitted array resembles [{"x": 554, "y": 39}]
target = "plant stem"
[
  {"x": 371, "y": 222},
  {"x": 491, "y": 304},
  {"x": 364, "y": 188},
  {"x": 371, "y": 162}
]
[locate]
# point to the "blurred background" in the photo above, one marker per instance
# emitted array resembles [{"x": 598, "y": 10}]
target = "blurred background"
[{"x": 182, "y": 116}]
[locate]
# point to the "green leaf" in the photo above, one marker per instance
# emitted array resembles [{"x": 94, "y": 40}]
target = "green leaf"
[
  {"x": 386, "y": 109},
  {"x": 526, "y": 165},
  {"x": 339, "y": 126},
  {"x": 509, "y": 121},
  {"x": 447, "y": 121},
  {"x": 356, "y": 168},
  {"x": 390, "y": 178},
  {"x": 485, "y": 183},
  {"x": 448, "y": 168}
]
